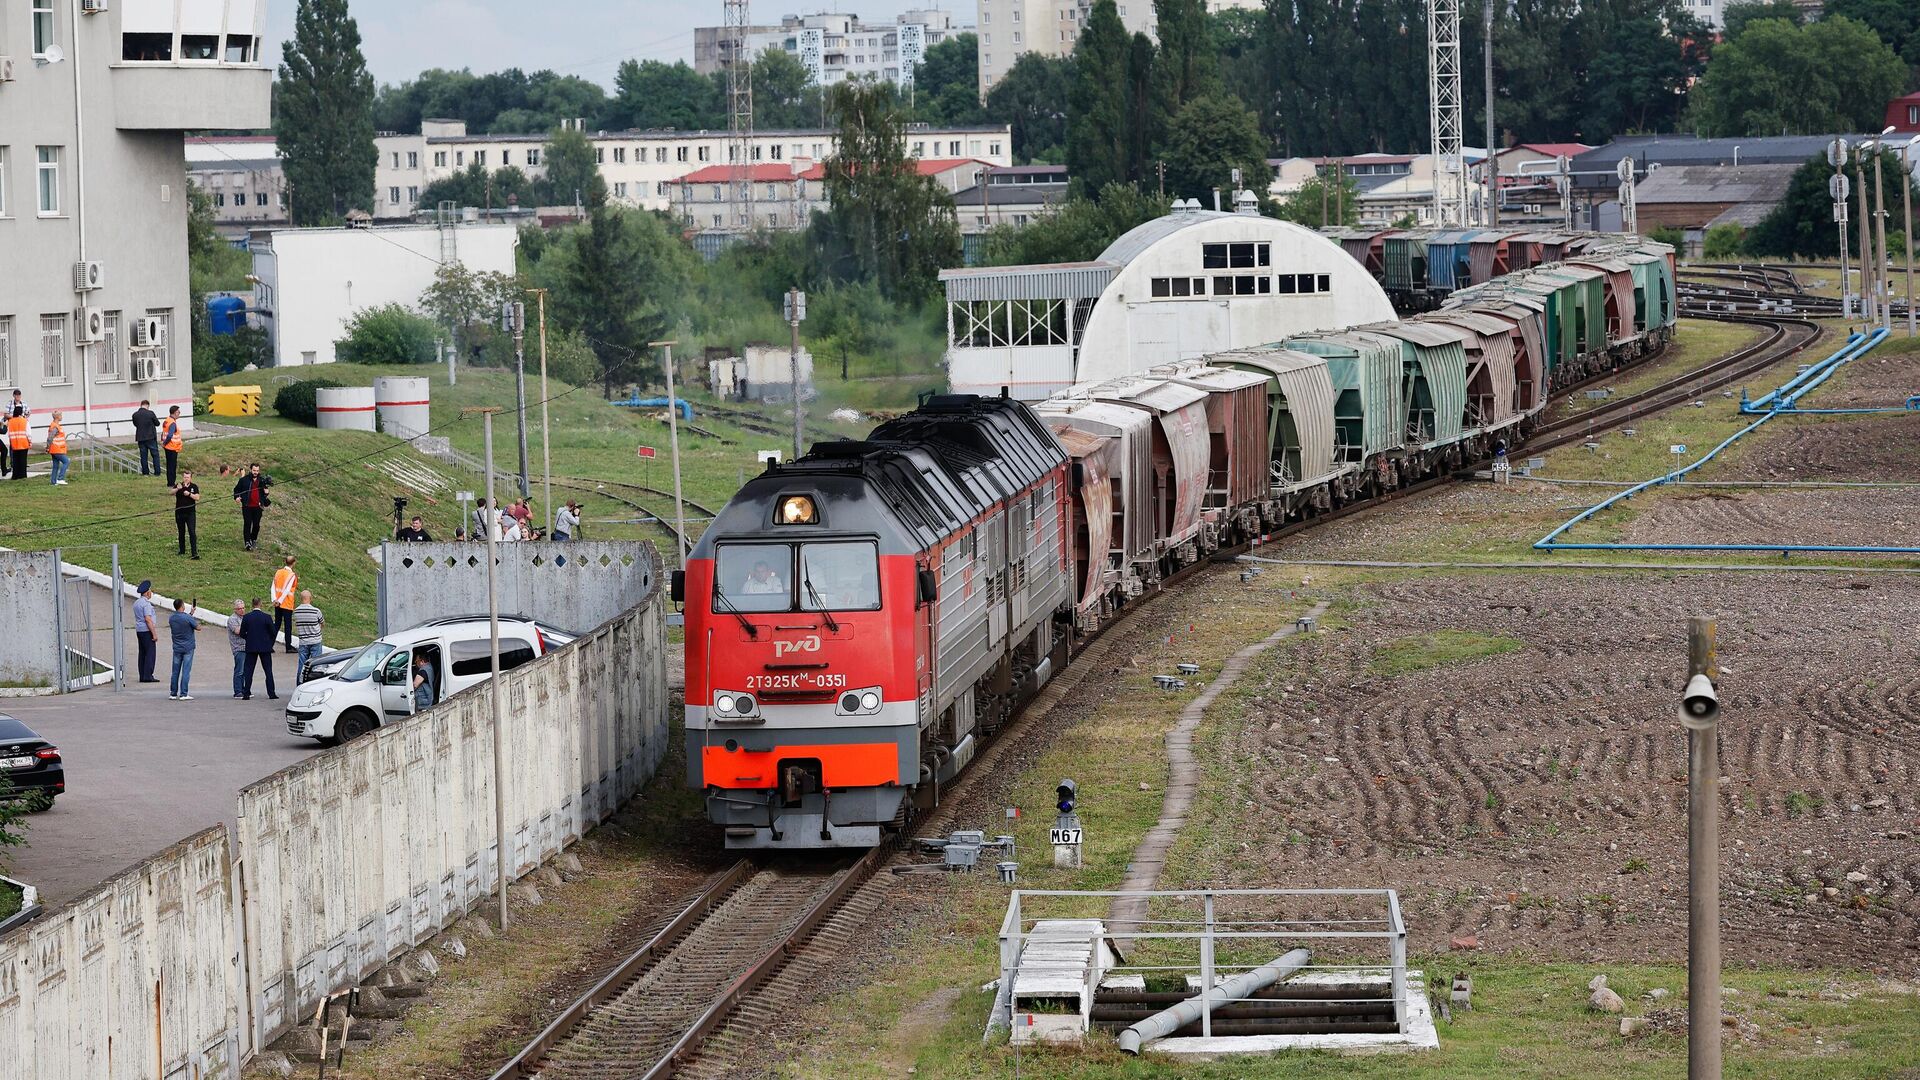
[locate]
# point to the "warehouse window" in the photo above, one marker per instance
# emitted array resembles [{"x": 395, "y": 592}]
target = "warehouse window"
[
  {"x": 1300, "y": 284},
  {"x": 1240, "y": 256},
  {"x": 1179, "y": 287}
]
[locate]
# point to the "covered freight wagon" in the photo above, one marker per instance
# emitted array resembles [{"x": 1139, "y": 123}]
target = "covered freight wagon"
[
  {"x": 1236, "y": 431},
  {"x": 1433, "y": 378},
  {"x": 1179, "y": 449},
  {"x": 1369, "y": 415}
]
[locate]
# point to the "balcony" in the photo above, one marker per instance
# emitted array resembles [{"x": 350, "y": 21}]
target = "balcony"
[{"x": 186, "y": 97}]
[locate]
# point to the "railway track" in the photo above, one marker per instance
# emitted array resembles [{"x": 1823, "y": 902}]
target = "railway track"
[
  {"x": 649, "y": 1015},
  {"x": 725, "y": 957}
]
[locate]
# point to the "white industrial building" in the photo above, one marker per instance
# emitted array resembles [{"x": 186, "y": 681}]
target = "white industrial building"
[
  {"x": 1184, "y": 285},
  {"x": 94, "y": 103},
  {"x": 639, "y": 167},
  {"x": 312, "y": 281}
]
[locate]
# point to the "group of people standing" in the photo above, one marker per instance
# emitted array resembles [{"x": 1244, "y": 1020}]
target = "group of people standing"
[
  {"x": 250, "y": 634},
  {"x": 252, "y": 491},
  {"x": 515, "y": 522},
  {"x": 19, "y": 442}
]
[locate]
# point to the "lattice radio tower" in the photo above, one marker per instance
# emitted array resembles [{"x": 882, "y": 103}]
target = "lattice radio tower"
[
  {"x": 740, "y": 110},
  {"x": 1444, "y": 113}
]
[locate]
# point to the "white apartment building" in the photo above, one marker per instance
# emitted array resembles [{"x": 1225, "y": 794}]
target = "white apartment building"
[
  {"x": 94, "y": 105},
  {"x": 1009, "y": 29},
  {"x": 641, "y": 168},
  {"x": 243, "y": 177},
  {"x": 835, "y": 47}
]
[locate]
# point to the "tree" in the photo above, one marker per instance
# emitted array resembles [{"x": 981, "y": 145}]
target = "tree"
[
  {"x": 885, "y": 223},
  {"x": 1076, "y": 232},
  {"x": 1637, "y": 81},
  {"x": 1210, "y": 138},
  {"x": 573, "y": 175},
  {"x": 325, "y": 125},
  {"x": 1832, "y": 75},
  {"x": 618, "y": 281},
  {"x": 467, "y": 302},
  {"x": 389, "y": 334},
  {"x": 1724, "y": 241},
  {"x": 1187, "y": 66},
  {"x": 1802, "y": 224},
  {"x": 1030, "y": 98},
  {"x": 1738, "y": 17},
  {"x": 783, "y": 95},
  {"x": 1896, "y": 21},
  {"x": 652, "y": 94},
  {"x": 475, "y": 186},
  {"x": 1097, "y": 105},
  {"x": 1322, "y": 201},
  {"x": 946, "y": 82},
  {"x": 1146, "y": 120}
]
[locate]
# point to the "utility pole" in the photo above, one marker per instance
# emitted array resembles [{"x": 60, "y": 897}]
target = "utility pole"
[
  {"x": 513, "y": 319},
  {"x": 546, "y": 437},
  {"x": 1700, "y": 715},
  {"x": 673, "y": 447},
  {"x": 1866, "y": 238},
  {"x": 1837, "y": 189},
  {"x": 1493, "y": 156},
  {"x": 502, "y": 855},
  {"x": 1339, "y": 191},
  {"x": 1881, "y": 269},
  {"x": 1906, "y": 205},
  {"x": 796, "y": 310}
]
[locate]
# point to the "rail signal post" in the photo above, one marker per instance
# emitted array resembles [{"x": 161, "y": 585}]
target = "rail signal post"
[
  {"x": 1065, "y": 836},
  {"x": 795, "y": 310},
  {"x": 1837, "y": 188},
  {"x": 1700, "y": 715}
]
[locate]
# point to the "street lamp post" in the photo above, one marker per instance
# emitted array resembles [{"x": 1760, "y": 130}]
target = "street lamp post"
[
  {"x": 1906, "y": 204},
  {"x": 1882, "y": 268}
]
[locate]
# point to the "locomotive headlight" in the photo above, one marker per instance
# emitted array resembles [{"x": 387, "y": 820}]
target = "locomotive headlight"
[
  {"x": 733, "y": 705},
  {"x": 859, "y": 702}
]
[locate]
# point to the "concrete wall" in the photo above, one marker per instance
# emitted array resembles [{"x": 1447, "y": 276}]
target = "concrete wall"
[
  {"x": 29, "y": 592},
  {"x": 358, "y": 853},
  {"x": 135, "y": 980},
  {"x": 574, "y": 586}
]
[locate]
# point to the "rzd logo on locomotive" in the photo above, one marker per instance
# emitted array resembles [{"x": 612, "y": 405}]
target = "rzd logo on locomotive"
[{"x": 810, "y": 643}]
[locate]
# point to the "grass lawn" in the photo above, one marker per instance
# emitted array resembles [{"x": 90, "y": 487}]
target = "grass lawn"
[{"x": 1418, "y": 652}]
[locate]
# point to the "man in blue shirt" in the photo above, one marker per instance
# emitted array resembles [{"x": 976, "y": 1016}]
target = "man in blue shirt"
[
  {"x": 183, "y": 626},
  {"x": 146, "y": 630}
]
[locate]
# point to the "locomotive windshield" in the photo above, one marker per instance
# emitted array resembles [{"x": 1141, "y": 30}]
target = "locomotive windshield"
[{"x": 818, "y": 576}]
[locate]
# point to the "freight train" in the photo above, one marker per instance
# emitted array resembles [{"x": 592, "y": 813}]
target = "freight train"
[{"x": 861, "y": 619}]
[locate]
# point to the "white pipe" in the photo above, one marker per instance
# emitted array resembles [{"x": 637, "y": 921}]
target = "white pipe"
[
  {"x": 1168, "y": 1021},
  {"x": 80, "y": 216}
]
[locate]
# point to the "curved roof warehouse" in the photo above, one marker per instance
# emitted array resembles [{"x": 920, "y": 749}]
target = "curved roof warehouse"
[{"x": 1190, "y": 283}]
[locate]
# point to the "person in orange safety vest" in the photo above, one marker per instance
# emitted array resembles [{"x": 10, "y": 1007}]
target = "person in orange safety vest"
[
  {"x": 57, "y": 449},
  {"x": 170, "y": 442},
  {"x": 18, "y": 442},
  {"x": 286, "y": 586}
]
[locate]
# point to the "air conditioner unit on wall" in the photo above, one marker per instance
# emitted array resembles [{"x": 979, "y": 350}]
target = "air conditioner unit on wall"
[
  {"x": 143, "y": 367},
  {"x": 92, "y": 7},
  {"x": 87, "y": 276},
  {"x": 146, "y": 332},
  {"x": 90, "y": 325}
]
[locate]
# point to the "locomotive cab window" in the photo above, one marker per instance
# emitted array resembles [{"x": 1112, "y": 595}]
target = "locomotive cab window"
[
  {"x": 839, "y": 577},
  {"x": 754, "y": 577}
]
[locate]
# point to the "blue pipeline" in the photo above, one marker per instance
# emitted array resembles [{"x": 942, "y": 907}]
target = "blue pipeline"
[
  {"x": 682, "y": 404},
  {"x": 1857, "y": 345}
]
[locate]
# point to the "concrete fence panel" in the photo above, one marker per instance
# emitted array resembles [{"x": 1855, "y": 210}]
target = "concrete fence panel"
[
  {"x": 363, "y": 851},
  {"x": 575, "y": 586},
  {"x": 137, "y": 979},
  {"x": 29, "y": 598}
]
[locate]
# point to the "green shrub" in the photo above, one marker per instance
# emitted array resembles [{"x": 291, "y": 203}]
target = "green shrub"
[
  {"x": 295, "y": 401},
  {"x": 390, "y": 334},
  {"x": 1727, "y": 241}
]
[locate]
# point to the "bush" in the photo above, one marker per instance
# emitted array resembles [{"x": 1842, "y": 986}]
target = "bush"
[
  {"x": 1670, "y": 236},
  {"x": 296, "y": 400},
  {"x": 1724, "y": 242},
  {"x": 391, "y": 334}
]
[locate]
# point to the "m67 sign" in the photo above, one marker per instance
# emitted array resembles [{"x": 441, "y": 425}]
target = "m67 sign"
[{"x": 1063, "y": 836}]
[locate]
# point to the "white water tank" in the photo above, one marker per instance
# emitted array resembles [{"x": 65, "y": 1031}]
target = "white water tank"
[
  {"x": 402, "y": 405},
  {"x": 344, "y": 408}
]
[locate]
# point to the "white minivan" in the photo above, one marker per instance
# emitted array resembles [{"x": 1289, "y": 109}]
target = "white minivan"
[{"x": 378, "y": 686}]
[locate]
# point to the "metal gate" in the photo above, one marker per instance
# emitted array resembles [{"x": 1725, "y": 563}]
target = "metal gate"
[{"x": 91, "y": 621}]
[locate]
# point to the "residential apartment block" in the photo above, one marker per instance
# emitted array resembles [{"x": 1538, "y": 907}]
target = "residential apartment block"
[
  {"x": 834, "y": 47},
  {"x": 1009, "y": 29},
  {"x": 243, "y": 178},
  {"x": 641, "y": 168},
  {"x": 784, "y": 196},
  {"x": 94, "y": 104}
]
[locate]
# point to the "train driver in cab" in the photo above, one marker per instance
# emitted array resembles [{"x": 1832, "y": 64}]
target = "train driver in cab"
[{"x": 762, "y": 580}]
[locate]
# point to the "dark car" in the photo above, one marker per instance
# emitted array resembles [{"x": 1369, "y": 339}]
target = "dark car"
[
  {"x": 331, "y": 663},
  {"x": 31, "y": 763}
]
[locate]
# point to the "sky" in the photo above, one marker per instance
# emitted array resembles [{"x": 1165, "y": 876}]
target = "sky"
[{"x": 590, "y": 39}]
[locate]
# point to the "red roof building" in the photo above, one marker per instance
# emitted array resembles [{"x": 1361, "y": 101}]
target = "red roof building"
[{"x": 1903, "y": 114}]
